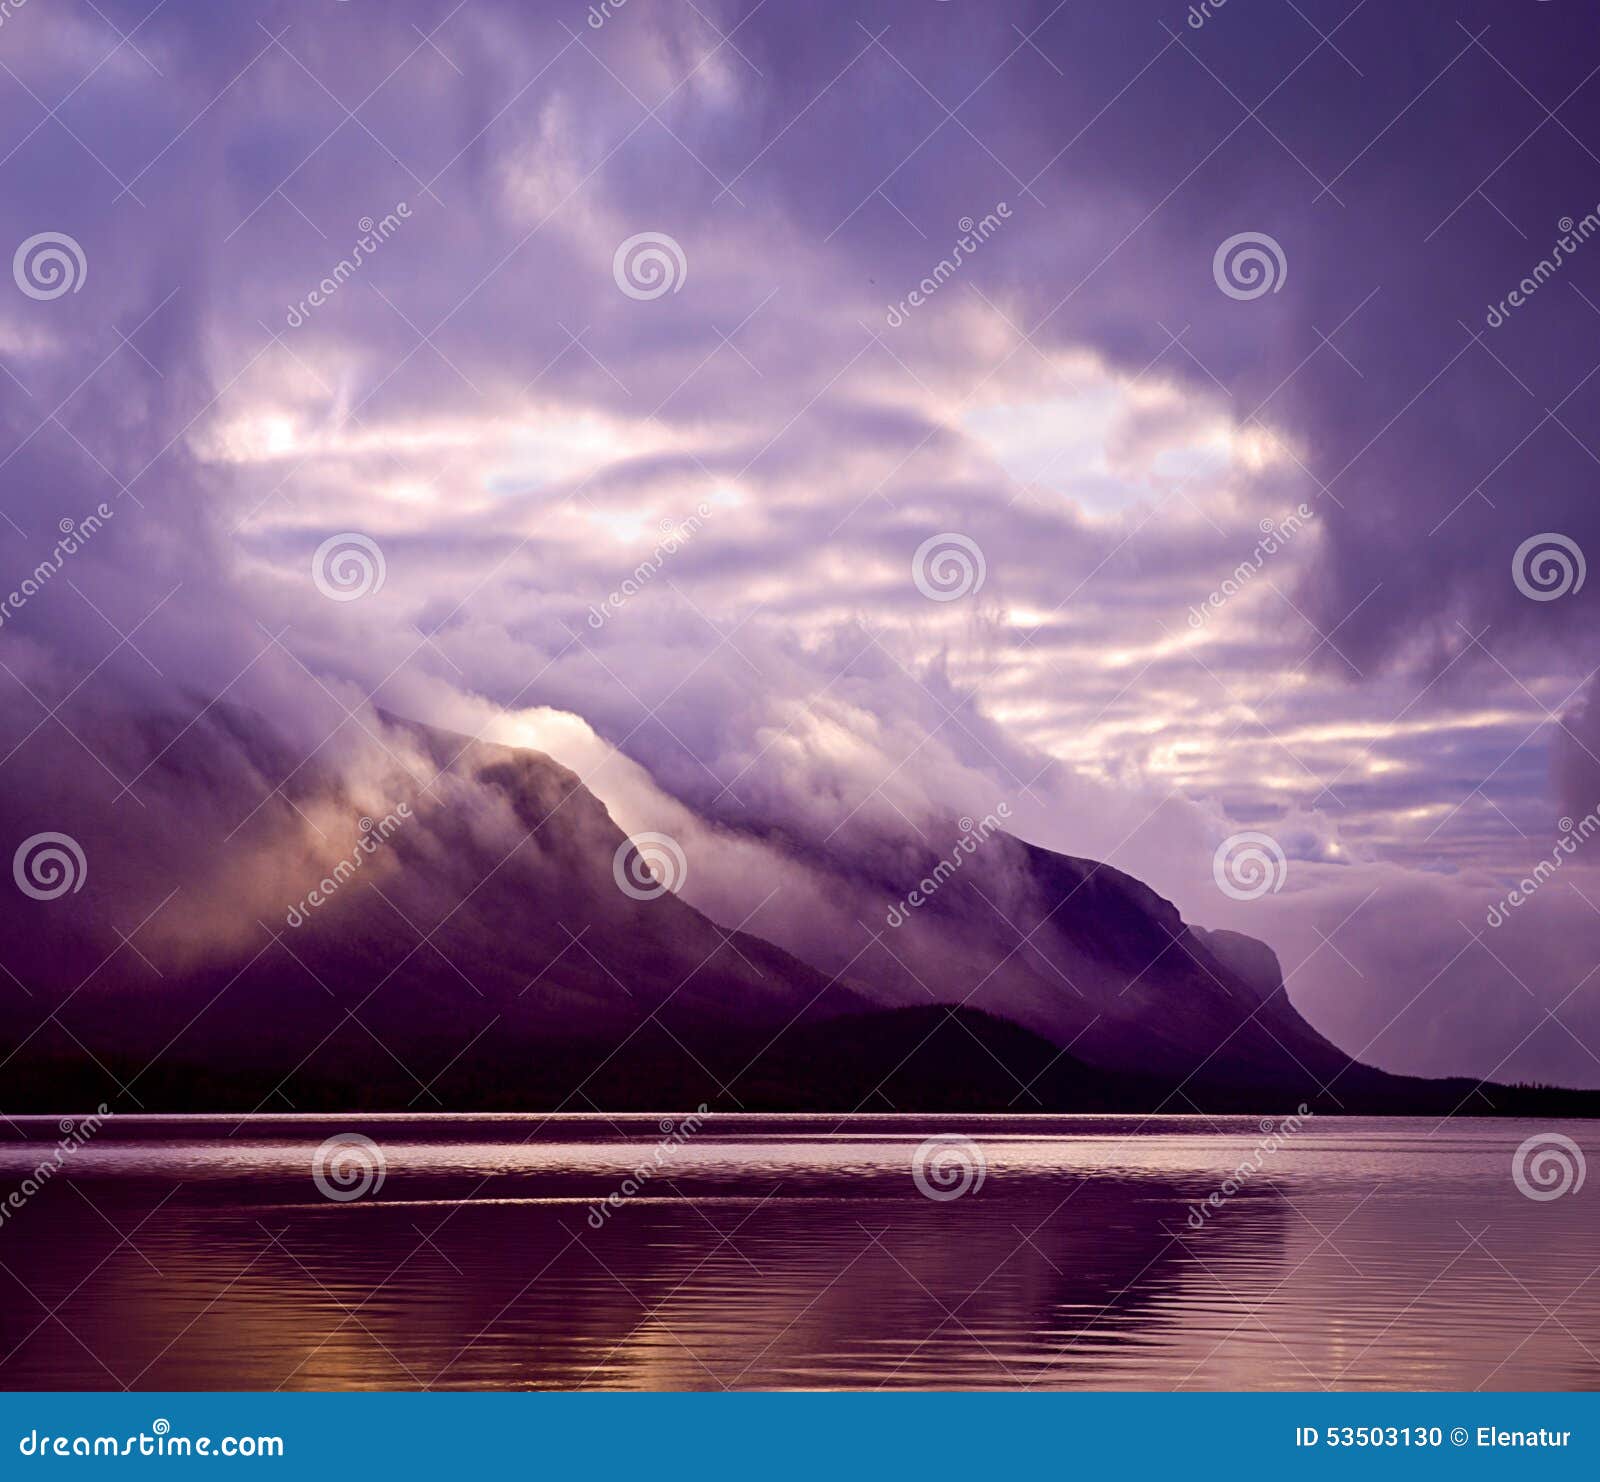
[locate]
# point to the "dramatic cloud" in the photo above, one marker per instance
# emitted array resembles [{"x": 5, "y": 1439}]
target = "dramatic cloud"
[{"x": 1228, "y": 560}]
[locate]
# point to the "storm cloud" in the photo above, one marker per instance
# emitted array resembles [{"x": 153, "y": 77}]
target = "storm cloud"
[{"x": 929, "y": 270}]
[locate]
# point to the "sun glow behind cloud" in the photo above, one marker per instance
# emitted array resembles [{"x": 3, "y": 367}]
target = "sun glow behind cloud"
[
  {"x": 1099, "y": 668},
  {"x": 518, "y": 435}
]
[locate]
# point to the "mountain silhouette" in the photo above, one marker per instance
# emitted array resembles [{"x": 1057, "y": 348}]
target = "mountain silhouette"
[{"x": 264, "y": 926}]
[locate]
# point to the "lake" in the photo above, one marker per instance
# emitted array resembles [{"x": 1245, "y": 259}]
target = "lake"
[{"x": 756, "y": 1252}]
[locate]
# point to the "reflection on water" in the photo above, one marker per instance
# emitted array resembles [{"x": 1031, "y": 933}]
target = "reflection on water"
[{"x": 764, "y": 1252}]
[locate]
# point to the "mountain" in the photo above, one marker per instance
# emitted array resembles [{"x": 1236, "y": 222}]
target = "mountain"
[
  {"x": 1087, "y": 957},
  {"x": 240, "y": 941},
  {"x": 476, "y": 923}
]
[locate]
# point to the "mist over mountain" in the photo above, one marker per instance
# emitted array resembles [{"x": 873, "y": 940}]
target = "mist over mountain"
[
  {"x": 693, "y": 519},
  {"x": 424, "y": 919}
]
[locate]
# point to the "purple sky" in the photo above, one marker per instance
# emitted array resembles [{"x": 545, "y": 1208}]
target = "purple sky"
[{"x": 1080, "y": 399}]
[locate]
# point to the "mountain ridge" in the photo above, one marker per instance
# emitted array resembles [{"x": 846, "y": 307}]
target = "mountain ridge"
[{"x": 484, "y": 952}]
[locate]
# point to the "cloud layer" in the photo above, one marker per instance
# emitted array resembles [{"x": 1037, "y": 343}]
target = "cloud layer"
[{"x": 354, "y": 271}]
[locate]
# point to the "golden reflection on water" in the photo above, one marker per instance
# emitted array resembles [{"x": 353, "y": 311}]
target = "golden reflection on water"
[{"x": 761, "y": 1254}]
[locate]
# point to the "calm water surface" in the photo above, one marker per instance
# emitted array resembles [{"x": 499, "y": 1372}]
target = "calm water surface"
[{"x": 763, "y": 1252}]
